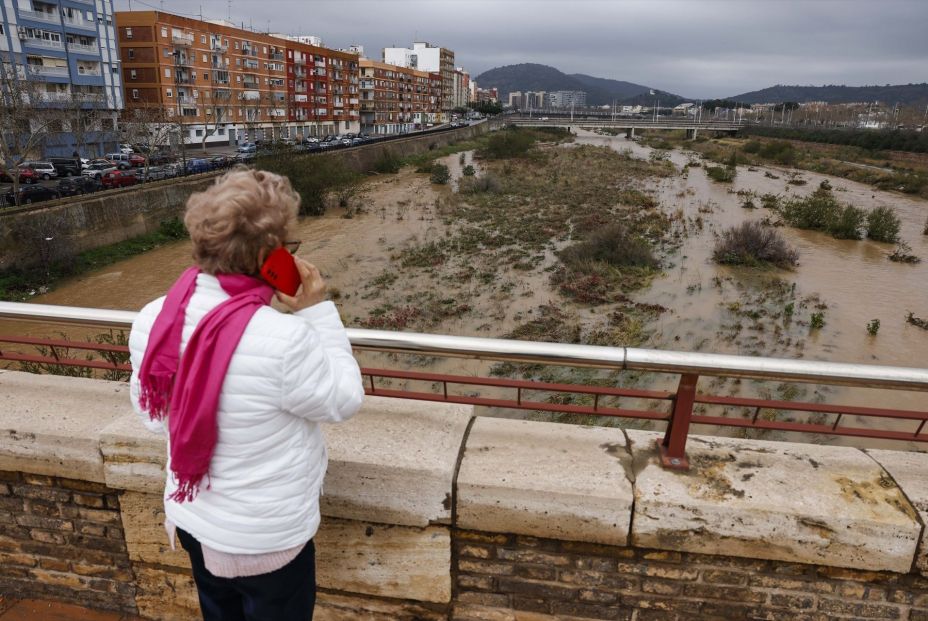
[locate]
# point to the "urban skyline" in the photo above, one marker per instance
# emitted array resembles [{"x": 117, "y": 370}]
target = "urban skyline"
[{"x": 697, "y": 50}]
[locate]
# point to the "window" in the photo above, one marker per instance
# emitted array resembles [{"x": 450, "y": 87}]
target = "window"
[
  {"x": 131, "y": 53},
  {"x": 167, "y": 72},
  {"x": 205, "y": 75},
  {"x": 238, "y": 62},
  {"x": 115, "y": 70},
  {"x": 202, "y": 38},
  {"x": 222, "y": 131},
  {"x": 199, "y": 133},
  {"x": 135, "y": 92},
  {"x": 132, "y": 74},
  {"x": 236, "y": 47},
  {"x": 164, "y": 32},
  {"x": 204, "y": 58},
  {"x": 170, "y": 93},
  {"x": 168, "y": 53},
  {"x": 128, "y": 33}
]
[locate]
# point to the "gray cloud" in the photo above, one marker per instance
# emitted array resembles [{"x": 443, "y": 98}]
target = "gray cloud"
[{"x": 694, "y": 48}]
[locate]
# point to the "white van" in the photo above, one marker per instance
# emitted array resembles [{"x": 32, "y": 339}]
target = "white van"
[{"x": 121, "y": 159}]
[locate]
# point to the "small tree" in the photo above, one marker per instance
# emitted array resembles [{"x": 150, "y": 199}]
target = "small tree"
[
  {"x": 27, "y": 117},
  {"x": 883, "y": 225},
  {"x": 151, "y": 128},
  {"x": 219, "y": 114}
]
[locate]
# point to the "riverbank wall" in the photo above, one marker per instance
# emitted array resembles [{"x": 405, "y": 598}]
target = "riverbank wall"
[
  {"x": 431, "y": 513},
  {"x": 58, "y": 229}
]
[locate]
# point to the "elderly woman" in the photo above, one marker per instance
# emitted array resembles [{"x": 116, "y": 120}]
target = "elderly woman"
[{"x": 241, "y": 390}]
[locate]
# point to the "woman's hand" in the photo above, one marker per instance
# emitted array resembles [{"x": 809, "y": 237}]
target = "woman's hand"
[{"x": 311, "y": 292}]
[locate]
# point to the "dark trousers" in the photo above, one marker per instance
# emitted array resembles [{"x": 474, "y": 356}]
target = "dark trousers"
[{"x": 287, "y": 594}]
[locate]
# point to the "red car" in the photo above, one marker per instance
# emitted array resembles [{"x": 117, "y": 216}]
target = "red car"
[
  {"x": 118, "y": 179},
  {"x": 26, "y": 175},
  {"x": 136, "y": 161}
]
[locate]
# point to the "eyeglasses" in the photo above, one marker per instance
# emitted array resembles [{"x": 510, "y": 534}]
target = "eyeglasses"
[{"x": 292, "y": 246}]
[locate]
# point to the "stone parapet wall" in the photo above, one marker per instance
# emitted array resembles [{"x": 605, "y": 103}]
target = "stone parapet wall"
[
  {"x": 594, "y": 581},
  {"x": 83, "y": 223},
  {"x": 432, "y": 513},
  {"x": 63, "y": 538}
]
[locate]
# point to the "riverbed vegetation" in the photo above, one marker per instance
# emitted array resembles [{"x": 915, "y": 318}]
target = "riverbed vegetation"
[
  {"x": 754, "y": 244},
  {"x": 821, "y": 211},
  {"x": 897, "y": 171}
]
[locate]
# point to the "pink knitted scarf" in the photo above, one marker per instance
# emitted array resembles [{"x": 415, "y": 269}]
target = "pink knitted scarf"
[{"x": 187, "y": 387}]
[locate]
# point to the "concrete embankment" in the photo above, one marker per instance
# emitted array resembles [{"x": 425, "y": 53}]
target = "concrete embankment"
[
  {"x": 76, "y": 224},
  {"x": 432, "y": 513}
]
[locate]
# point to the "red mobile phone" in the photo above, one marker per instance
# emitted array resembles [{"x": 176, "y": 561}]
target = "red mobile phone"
[{"x": 281, "y": 272}]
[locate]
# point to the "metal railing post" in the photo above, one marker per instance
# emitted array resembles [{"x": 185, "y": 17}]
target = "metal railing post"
[{"x": 672, "y": 448}]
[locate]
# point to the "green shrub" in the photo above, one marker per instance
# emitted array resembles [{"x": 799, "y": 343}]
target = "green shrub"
[
  {"x": 883, "y": 225},
  {"x": 440, "y": 174},
  {"x": 770, "y": 201},
  {"x": 508, "y": 143},
  {"x": 469, "y": 171},
  {"x": 817, "y": 321},
  {"x": 313, "y": 178},
  {"x": 754, "y": 244},
  {"x": 818, "y": 211},
  {"x": 612, "y": 245},
  {"x": 779, "y": 151},
  {"x": 873, "y": 326},
  {"x": 720, "y": 173},
  {"x": 388, "y": 162},
  {"x": 752, "y": 146},
  {"x": 173, "y": 229},
  {"x": 848, "y": 224}
]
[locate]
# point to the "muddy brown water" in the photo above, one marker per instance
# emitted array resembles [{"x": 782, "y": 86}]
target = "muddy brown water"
[{"x": 709, "y": 308}]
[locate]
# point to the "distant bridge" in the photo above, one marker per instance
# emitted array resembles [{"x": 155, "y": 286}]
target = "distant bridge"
[{"x": 630, "y": 124}]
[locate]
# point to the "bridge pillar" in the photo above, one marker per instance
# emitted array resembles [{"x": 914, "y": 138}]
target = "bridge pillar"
[
  {"x": 630, "y": 133},
  {"x": 691, "y": 134}
]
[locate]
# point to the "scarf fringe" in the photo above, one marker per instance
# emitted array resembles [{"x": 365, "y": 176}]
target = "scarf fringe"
[
  {"x": 187, "y": 489},
  {"x": 155, "y": 397}
]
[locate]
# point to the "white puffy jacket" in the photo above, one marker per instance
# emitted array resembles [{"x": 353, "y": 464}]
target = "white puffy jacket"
[{"x": 288, "y": 374}]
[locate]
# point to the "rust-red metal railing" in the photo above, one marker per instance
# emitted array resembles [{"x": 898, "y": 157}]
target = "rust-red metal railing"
[{"x": 678, "y": 409}]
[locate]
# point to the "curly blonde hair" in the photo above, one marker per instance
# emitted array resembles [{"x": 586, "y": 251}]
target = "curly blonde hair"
[{"x": 243, "y": 216}]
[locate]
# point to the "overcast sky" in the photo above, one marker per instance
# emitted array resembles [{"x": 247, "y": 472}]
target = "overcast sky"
[{"x": 694, "y": 48}]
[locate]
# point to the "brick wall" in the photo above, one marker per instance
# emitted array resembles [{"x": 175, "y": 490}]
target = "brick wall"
[
  {"x": 605, "y": 582},
  {"x": 63, "y": 539}
]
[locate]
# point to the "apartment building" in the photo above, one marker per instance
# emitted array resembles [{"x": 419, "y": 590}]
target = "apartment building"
[
  {"x": 567, "y": 99},
  {"x": 427, "y": 57},
  {"x": 67, "y": 52},
  {"x": 398, "y": 99},
  {"x": 224, "y": 85},
  {"x": 461, "y": 88}
]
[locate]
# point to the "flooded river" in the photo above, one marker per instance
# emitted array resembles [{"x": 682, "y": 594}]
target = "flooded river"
[{"x": 709, "y": 308}]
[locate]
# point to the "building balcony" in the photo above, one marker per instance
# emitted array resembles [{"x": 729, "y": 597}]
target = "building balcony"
[
  {"x": 184, "y": 79},
  {"x": 183, "y": 40},
  {"x": 56, "y": 97},
  {"x": 276, "y": 55},
  {"x": 249, "y": 83},
  {"x": 249, "y": 95},
  {"x": 52, "y": 72},
  {"x": 82, "y": 48},
  {"x": 299, "y": 60},
  {"x": 89, "y": 71},
  {"x": 222, "y": 94},
  {"x": 50, "y": 45},
  {"x": 320, "y": 63},
  {"x": 300, "y": 98},
  {"x": 353, "y": 101},
  {"x": 78, "y": 23},
  {"x": 40, "y": 16},
  {"x": 219, "y": 48}
]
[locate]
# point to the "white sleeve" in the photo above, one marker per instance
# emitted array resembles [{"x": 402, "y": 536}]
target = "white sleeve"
[
  {"x": 322, "y": 381},
  {"x": 138, "y": 342}
]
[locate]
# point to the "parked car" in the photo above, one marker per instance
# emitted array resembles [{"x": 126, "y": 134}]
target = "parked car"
[
  {"x": 98, "y": 168},
  {"x": 154, "y": 173},
  {"x": 160, "y": 158},
  {"x": 196, "y": 166},
  {"x": 45, "y": 170},
  {"x": 118, "y": 179},
  {"x": 136, "y": 161},
  {"x": 244, "y": 158},
  {"x": 26, "y": 175},
  {"x": 122, "y": 160},
  {"x": 78, "y": 185},
  {"x": 172, "y": 170},
  {"x": 31, "y": 194},
  {"x": 126, "y": 148},
  {"x": 66, "y": 166},
  {"x": 219, "y": 162},
  {"x": 248, "y": 147}
]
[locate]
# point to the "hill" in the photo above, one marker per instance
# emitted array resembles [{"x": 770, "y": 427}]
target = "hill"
[
  {"x": 888, "y": 94},
  {"x": 536, "y": 77}
]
